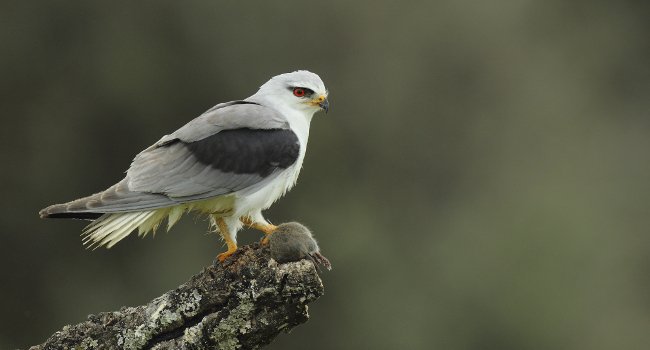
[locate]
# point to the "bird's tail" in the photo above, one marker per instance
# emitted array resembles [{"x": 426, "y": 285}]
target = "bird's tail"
[
  {"x": 112, "y": 228},
  {"x": 116, "y": 199}
]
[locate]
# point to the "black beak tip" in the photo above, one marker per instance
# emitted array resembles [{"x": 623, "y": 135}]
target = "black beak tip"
[{"x": 325, "y": 105}]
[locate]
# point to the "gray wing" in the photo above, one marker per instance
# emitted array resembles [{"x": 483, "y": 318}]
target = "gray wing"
[
  {"x": 231, "y": 147},
  {"x": 229, "y": 115},
  {"x": 228, "y": 148}
]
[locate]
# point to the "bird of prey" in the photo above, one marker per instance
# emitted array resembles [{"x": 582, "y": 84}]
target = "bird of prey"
[{"x": 230, "y": 163}]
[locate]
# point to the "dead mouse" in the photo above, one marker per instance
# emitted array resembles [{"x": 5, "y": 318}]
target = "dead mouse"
[{"x": 293, "y": 242}]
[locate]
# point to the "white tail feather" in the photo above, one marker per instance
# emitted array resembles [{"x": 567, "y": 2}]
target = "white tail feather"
[
  {"x": 112, "y": 228},
  {"x": 174, "y": 215},
  {"x": 103, "y": 227},
  {"x": 152, "y": 223},
  {"x": 125, "y": 230}
]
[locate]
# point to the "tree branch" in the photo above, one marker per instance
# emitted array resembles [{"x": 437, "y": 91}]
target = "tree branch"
[{"x": 241, "y": 304}]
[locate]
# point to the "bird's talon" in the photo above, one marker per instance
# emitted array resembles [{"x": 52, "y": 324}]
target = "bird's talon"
[
  {"x": 268, "y": 229},
  {"x": 225, "y": 255},
  {"x": 232, "y": 246}
]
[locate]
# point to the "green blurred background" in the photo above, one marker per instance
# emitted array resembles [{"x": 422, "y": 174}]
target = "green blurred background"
[{"x": 481, "y": 181}]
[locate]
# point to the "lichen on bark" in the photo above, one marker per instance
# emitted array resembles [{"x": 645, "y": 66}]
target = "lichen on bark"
[{"x": 243, "y": 303}]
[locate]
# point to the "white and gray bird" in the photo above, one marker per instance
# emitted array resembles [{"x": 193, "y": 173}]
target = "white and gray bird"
[{"x": 230, "y": 163}]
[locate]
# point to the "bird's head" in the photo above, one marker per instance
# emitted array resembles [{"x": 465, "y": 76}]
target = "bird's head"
[{"x": 301, "y": 90}]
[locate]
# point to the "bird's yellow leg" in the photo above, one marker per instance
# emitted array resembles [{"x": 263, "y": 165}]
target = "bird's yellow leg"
[
  {"x": 267, "y": 229},
  {"x": 225, "y": 233}
]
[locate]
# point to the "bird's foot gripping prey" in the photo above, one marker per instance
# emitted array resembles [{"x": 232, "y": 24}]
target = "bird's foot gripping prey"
[
  {"x": 266, "y": 229},
  {"x": 230, "y": 163}
]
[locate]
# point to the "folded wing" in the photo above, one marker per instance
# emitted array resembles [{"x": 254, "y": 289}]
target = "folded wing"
[{"x": 231, "y": 147}]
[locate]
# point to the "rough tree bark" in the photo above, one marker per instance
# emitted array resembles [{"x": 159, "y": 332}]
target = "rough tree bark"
[{"x": 241, "y": 304}]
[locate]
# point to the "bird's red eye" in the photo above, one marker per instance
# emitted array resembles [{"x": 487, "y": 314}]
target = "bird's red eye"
[{"x": 299, "y": 92}]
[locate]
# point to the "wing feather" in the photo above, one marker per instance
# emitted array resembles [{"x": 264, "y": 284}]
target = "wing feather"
[{"x": 231, "y": 147}]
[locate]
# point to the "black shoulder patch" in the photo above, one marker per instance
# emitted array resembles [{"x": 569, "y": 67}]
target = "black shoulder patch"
[{"x": 248, "y": 151}]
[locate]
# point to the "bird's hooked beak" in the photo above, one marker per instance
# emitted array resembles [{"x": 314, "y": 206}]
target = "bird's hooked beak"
[{"x": 322, "y": 102}]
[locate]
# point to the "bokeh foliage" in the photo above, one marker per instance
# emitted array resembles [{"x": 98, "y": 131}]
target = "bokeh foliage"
[{"x": 481, "y": 181}]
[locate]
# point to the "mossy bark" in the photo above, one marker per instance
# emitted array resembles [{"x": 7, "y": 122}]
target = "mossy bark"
[{"x": 241, "y": 304}]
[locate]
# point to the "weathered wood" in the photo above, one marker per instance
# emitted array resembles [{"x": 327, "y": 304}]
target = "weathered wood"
[{"x": 241, "y": 304}]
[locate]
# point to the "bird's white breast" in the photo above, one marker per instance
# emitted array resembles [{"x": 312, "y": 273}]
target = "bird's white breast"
[{"x": 267, "y": 192}]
